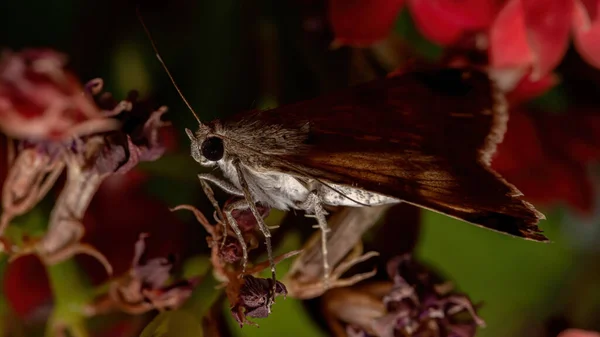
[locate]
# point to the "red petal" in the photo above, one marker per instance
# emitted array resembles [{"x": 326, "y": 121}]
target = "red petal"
[
  {"x": 547, "y": 158},
  {"x": 548, "y": 26},
  {"x": 527, "y": 89},
  {"x": 586, "y": 26},
  {"x": 521, "y": 145},
  {"x": 531, "y": 33},
  {"x": 576, "y": 136},
  {"x": 509, "y": 46},
  {"x": 362, "y": 22},
  {"x": 444, "y": 21}
]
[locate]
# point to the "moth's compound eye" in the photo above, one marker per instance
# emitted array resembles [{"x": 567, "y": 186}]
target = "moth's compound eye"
[{"x": 213, "y": 149}]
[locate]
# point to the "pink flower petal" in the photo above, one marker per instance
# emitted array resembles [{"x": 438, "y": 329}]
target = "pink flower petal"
[
  {"x": 444, "y": 21},
  {"x": 531, "y": 33},
  {"x": 509, "y": 46},
  {"x": 586, "y": 30},
  {"x": 41, "y": 99},
  {"x": 362, "y": 22},
  {"x": 591, "y": 6},
  {"x": 548, "y": 26}
]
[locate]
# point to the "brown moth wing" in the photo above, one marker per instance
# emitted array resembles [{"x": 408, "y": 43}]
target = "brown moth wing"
[{"x": 424, "y": 137}]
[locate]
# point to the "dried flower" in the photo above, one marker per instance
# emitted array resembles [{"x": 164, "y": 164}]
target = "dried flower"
[
  {"x": 254, "y": 298},
  {"x": 93, "y": 135},
  {"x": 146, "y": 286},
  {"x": 416, "y": 303},
  {"x": 44, "y": 105},
  {"x": 225, "y": 246},
  {"x": 249, "y": 296},
  {"x": 420, "y": 305}
]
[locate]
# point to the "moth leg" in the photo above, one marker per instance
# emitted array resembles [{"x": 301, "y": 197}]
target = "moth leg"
[
  {"x": 313, "y": 204},
  {"x": 222, "y": 184},
  {"x": 240, "y": 204},
  {"x": 211, "y": 197},
  {"x": 261, "y": 223}
]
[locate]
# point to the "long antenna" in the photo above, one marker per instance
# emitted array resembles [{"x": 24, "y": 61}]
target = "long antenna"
[{"x": 139, "y": 15}]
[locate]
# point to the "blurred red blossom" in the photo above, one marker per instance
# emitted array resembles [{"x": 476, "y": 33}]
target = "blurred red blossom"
[
  {"x": 522, "y": 36},
  {"x": 41, "y": 99},
  {"x": 547, "y": 155}
]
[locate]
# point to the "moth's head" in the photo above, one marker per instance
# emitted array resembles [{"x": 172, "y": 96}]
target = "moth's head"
[{"x": 207, "y": 148}]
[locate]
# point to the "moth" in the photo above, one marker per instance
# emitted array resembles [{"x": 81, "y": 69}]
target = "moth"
[{"x": 424, "y": 137}]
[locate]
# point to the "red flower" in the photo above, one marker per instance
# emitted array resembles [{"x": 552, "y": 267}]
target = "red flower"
[
  {"x": 524, "y": 36},
  {"x": 533, "y": 35},
  {"x": 586, "y": 25},
  {"x": 364, "y": 22},
  {"x": 546, "y": 155}
]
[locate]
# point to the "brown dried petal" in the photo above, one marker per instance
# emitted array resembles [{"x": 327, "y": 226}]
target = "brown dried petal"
[
  {"x": 150, "y": 148},
  {"x": 153, "y": 273},
  {"x": 253, "y": 299},
  {"x": 32, "y": 174},
  {"x": 146, "y": 287},
  {"x": 417, "y": 305},
  {"x": 231, "y": 251}
]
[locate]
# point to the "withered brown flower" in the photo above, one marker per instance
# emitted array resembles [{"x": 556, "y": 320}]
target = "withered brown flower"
[
  {"x": 254, "y": 298},
  {"x": 61, "y": 124},
  {"x": 147, "y": 287},
  {"x": 415, "y": 303},
  {"x": 249, "y": 296},
  {"x": 420, "y": 304}
]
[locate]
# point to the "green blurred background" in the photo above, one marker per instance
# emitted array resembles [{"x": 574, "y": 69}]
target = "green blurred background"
[{"x": 233, "y": 55}]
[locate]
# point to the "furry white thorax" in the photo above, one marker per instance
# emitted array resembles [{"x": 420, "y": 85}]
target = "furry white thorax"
[{"x": 283, "y": 191}]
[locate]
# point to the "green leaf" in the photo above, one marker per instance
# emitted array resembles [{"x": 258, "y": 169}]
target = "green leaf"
[
  {"x": 513, "y": 277},
  {"x": 178, "y": 323}
]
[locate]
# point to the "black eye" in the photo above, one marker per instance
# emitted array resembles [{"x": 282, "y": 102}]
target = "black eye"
[{"x": 213, "y": 149}]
